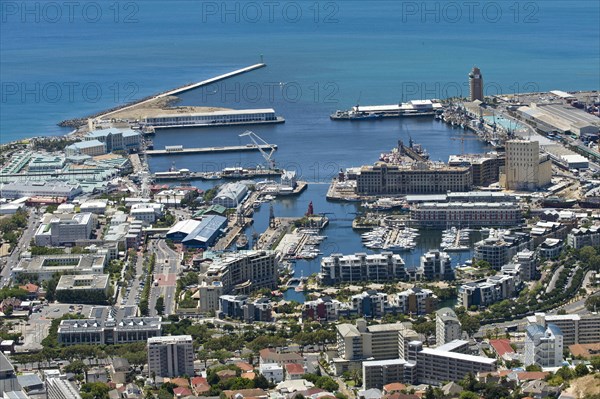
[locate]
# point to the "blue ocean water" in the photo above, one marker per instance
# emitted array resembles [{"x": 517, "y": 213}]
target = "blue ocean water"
[{"x": 61, "y": 60}]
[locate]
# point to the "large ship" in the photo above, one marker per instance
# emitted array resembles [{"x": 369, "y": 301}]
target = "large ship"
[{"x": 411, "y": 108}]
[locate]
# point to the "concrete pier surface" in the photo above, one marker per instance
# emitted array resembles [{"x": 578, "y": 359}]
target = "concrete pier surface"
[
  {"x": 234, "y": 148},
  {"x": 180, "y": 90}
]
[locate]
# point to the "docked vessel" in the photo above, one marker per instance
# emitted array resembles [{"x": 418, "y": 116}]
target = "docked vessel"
[
  {"x": 242, "y": 242},
  {"x": 411, "y": 108}
]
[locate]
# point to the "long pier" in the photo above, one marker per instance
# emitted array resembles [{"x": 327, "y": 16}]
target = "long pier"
[
  {"x": 205, "y": 150},
  {"x": 185, "y": 88}
]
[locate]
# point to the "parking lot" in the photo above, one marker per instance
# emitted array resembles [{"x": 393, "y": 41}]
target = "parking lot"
[{"x": 38, "y": 326}]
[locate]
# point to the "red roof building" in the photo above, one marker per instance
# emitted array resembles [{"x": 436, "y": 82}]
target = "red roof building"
[{"x": 501, "y": 346}]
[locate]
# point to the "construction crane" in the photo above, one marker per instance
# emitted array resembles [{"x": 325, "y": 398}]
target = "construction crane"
[
  {"x": 267, "y": 156},
  {"x": 462, "y": 142}
]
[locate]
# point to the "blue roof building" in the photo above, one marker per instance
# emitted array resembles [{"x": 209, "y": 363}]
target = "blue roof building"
[{"x": 198, "y": 234}]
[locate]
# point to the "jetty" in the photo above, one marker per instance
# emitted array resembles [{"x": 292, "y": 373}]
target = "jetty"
[
  {"x": 172, "y": 92},
  {"x": 175, "y": 150}
]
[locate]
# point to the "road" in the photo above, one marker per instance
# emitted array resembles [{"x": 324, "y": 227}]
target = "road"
[
  {"x": 12, "y": 260},
  {"x": 166, "y": 270}
]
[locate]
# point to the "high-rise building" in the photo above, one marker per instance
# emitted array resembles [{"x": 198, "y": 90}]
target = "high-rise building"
[
  {"x": 171, "y": 356},
  {"x": 447, "y": 326},
  {"x": 436, "y": 265},
  {"x": 360, "y": 267},
  {"x": 543, "y": 345},
  {"x": 475, "y": 84},
  {"x": 525, "y": 168}
]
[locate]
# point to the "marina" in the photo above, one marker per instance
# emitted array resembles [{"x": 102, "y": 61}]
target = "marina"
[{"x": 391, "y": 238}]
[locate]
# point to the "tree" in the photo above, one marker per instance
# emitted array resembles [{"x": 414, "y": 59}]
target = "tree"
[
  {"x": 468, "y": 395},
  {"x": 581, "y": 370},
  {"x": 94, "y": 390},
  {"x": 160, "y": 305}
]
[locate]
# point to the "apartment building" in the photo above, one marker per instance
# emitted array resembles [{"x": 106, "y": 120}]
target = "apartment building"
[
  {"x": 370, "y": 304},
  {"x": 493, "y": 289},
  {"x": 435, "y": 265},
  {"x": 485, "y": 168},
  {"x": 581, "y": 237},
  {"x": 543, "y": 345},
  {"x": 447, "y": 326},
  {"x": 360, "y": 267},
  {"x": 321, "y": 309},
  {"x": 171, "y": 356},
  {"x": 501, "y": 246},
  {"x": 240, "y": 307},
  {"x": 377, "y": 373},
  {"x": 245, "y": 271},
  {"x": 414, "y": 300}
]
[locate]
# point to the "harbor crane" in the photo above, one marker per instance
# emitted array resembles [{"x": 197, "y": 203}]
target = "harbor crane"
[
  {"x": 462, "y": 141},
  {"x": 267, "y": 156}
]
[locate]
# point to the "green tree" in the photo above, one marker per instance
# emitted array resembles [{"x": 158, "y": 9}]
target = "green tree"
[
  {"x": 468, "y": 395},
  {"x": 160, "y": 305},
  {"x": 94, "y": 390},
  {"x": 533, "y": 367},
  {"x": 581, "y": 370}
]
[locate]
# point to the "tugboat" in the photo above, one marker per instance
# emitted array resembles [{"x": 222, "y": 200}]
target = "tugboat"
[{"x": 242, "y": 242}]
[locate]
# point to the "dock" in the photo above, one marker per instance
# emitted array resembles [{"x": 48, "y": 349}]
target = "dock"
[
  {"x": 207, "y": 150},
  {"x": 183, "y": 89}
]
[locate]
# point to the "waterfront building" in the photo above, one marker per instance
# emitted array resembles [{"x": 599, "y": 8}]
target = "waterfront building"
[
  {"x": 369, "y": 304},
  {"x": 418, "y": 178},
  {"x": 321, "y": 309},
  {"x": 55, "y": 189},
  {"x": 116, "y": 139},
  {"x": 242, "y": 272},
  {"x": 484, "y": 168},
  {"x": 85, "y": 288},
  {"x": 581, "y": 237},
  {"x": 501, "y": 246},
  {"x": 57, "y": 388},
  {"x": 526, "y": 168},
  {"x": 61, "y": 229},
  {"x": 90, "y": 147},
  {"x": 198, "y": 233},
  {"x": 240, "y": 307},
  {"x": 447, "y": 326},
  {"x": 476, "y": 85},
  {"x": 108, "y": 325},
  {"x": 414, "y": 300},
  {"x": 44, "y": 267},
  {"x": 360, "y": 267},
  {"x": 465, "y": 214},
  {"x": 543, "y": 345},
  {"x": 171, "y": 356},
  {"x": 576, "y": 329},
  {"x": 230, "y": 195},
  {"x": 435, "y": 265},
  {"x": 483, "y": 293},
  {"x": 241, "y": 116},
  {"x": 561, "y": 118}
]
